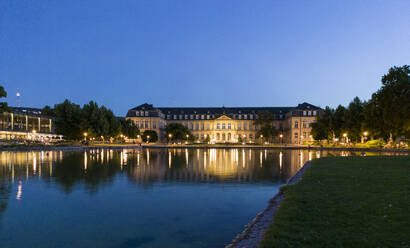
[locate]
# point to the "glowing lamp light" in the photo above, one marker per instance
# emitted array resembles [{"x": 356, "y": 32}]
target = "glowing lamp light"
[
  {"x": 85, "y": 134},
  {"x": 345, "y": 135},
  {"x": 281, "y": 135},
  {"x": 365, "y": 133}
]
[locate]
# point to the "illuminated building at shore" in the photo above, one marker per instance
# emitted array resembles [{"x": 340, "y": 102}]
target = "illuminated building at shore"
[
  {"x": 226, "y": 124},
  {"x": 26, "y": 123}
]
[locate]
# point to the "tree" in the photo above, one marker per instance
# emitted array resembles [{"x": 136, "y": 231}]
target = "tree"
[
  {"x": 3, "y": 105},
  {"x": 94, "y": 121},
  {"x": 208, "y": 139},
  {"x": 393, "y": 99},
  {"x": 47, "y": 110},
  {"x": 149, "y": 136},
  {"x": 266, "y": 127},
  {"x": 68, "y": 120},
  {"x": 177, "y": 131},
  {"x": 129, "y": 128},
  {"x": 353, "y": 119}
]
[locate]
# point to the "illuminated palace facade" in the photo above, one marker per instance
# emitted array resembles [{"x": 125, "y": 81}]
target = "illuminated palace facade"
[{"x": 226, "y": 124}]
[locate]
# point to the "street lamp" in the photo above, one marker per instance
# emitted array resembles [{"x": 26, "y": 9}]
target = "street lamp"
[
  {"x": 281, "y": 138},
  {"x": 147, "y": 138},
  {"x": 85, "y": 136},
  {"x": 345, "y": 136}
]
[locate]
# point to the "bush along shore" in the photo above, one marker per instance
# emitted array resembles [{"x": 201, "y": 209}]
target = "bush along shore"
[{"x": 345, "y": 202}]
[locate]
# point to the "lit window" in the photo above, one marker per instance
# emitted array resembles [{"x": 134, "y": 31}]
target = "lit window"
[
  {"x": 239, "y": 126},
  {"x": 207, "y": 126},
  {"x": 202, "y": 126},
  {"x": 296, "y": 135},
  {"x": 229, "y": 125},
  {"x": 175, "y": 117},
  {"x": 296, "y": 124},
  {"x": 223, "y": 125},
  {"x": 310, "y": 113},
  {"x": 244, "y": 126},
  {"x": 245, "y": 117},
  {"x": 218, "y": 126},
  {"x": 202, "y": 117},
  {"x": 207, "y": 117},
  {"x": 304, "y": 113},
  {"x": 304, "y": 124},
  {"x": 197, "y": 117},
  {"x": 304, "y": 135},
  {"x": 240, "y": 117}
]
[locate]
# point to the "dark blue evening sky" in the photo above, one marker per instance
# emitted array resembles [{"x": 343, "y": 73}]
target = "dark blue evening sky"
[{"x": 122, "y": 53}]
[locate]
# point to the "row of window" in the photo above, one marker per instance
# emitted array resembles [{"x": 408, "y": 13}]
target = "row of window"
[
  {"x": 207, "y": 117},
  {"x": 305, "y": 124},
  {"x": 304, "y": 136},
  {"x": 145, "y": 124},
  {"x": 223, "y": 136},
  {"x": 309, "y": 113},
  {"x": 220, "y": 126},
  {"x": 141, "y": 113}
]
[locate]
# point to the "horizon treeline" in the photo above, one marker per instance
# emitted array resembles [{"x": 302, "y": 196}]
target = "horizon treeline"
[
  {"x": 98, "y": 122},
  {"x": 386, "y": 115}
]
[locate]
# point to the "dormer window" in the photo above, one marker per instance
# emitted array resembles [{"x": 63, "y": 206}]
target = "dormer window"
[
  {"x": 175, "y": 117},
  {"x": 251, "y": 117},
  {"x": 310, "y": 113},
  {"x": 191, "y": 117},
  {"x": 245, "y": 117},
  {"x": 304, "y": 113},
  {"x": 314, "y": 112},
  {"x": 202, "y": 117},
  {"x": 240, "y": 117}
]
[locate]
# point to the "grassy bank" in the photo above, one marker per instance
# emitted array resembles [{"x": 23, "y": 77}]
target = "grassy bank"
[{"x": 346, "y": 202}]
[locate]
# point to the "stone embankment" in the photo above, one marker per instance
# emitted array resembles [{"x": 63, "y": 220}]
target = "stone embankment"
[{"x": 253, "y": 233}]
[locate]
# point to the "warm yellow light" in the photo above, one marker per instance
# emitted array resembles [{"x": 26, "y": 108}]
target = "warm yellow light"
[
  {"x": 34, "y": 131},
  {"x": 365, "y": 133},
  {"x": 170, "y": 135},
  {"x": 244, "y": 135},
  {"x": 281, "y": 135},
  {"x": 345, "y": 134},
  {"x": 147, "y": 136},
  {"x": 261, "y": 135},
  {"x": 85, "y": 134},
  {"x": 187, "y": 135}
]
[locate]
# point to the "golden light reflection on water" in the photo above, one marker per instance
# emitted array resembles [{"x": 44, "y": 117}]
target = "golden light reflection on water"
[{"x": 157, "y": 164}]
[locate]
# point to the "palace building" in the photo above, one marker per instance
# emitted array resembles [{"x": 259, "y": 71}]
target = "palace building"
[{"x": 227, "y": 124}]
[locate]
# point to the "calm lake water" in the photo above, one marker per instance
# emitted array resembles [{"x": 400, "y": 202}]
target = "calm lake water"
[{"x": 131, "y": 198}]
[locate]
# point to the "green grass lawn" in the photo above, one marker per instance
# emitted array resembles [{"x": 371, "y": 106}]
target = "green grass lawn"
[{"x": 346, "y": 202}]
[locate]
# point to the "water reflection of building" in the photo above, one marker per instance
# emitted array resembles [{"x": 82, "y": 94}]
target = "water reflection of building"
[{"x": 97, "y": 167}]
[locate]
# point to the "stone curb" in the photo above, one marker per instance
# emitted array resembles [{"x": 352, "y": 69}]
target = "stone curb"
[{"x": 253, "y": 233}]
